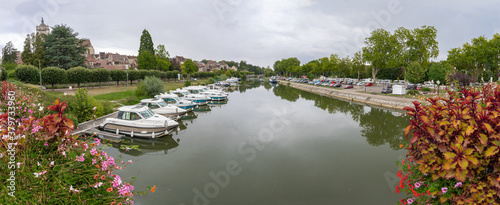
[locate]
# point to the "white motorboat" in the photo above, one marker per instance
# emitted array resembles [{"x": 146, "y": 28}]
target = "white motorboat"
[
  {"x": 197, "y": 99},
  {"x": 175, "y": 100},
  {"x": 160, "y": 107},
  {"x": 216, "y": 95},
  {"x": 139, "y": 121}
]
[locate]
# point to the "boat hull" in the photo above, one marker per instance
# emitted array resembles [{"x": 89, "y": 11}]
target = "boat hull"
[{"x": 142, "y": 132}]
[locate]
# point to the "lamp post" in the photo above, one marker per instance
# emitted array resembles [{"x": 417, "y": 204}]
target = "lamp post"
[
  {"x": 40, "y": 68},
  {"x": 438, "y": 86},
  {"x": 126, "y": 68}
]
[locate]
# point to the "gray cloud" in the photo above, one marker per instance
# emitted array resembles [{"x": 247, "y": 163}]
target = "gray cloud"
[{"x": 257, "y": 31}]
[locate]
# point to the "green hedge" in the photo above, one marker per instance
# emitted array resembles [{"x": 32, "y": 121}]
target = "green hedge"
[{"x": 27, "y": 73}]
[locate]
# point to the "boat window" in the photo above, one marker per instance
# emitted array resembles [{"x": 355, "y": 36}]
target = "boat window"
[
  {"x": 162, "y": 104},
  {"x": 120, "y": 114},
  {"x": 147, "y": 114},
  {"x": 134, "y": 116},
  {"x": 124, "y": 116},
  {"x": 177, "y": 98},
  {"x": 153, "y": 106},
  {"x": 144, "y": 104},
  {"x": 169, "y": 101}
]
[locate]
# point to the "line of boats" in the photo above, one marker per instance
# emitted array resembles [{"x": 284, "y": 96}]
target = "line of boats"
[{"x": 156, "y": 117}]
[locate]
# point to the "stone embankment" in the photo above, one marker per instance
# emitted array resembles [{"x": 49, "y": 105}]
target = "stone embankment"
[{"x": 355, "y": 95}]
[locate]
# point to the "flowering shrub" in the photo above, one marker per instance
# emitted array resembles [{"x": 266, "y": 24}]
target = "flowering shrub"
[
  {"x": 453, "y": 155},
  {"x": 52, "y": 166}
]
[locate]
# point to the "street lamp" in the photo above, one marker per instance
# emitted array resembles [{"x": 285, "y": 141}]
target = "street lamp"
[
  {"x": 126, "y": 68},
  {"x": 40, "y": 68},
  {"x": 438, "y": 86}
]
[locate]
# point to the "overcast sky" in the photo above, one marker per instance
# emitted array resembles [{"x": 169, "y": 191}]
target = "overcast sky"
[{"x": 258, "y": 31}]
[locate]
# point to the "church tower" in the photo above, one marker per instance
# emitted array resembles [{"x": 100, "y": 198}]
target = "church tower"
[{"x": 42, "y": 28}]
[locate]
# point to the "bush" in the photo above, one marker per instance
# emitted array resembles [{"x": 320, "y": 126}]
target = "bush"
[
  {"x": 53, "y": 75},
  {"x": 118, "y": 75},
  {"x": 4, "y": 75},
  {"x": 86, "y": 107},
  {"x": 412, "y": 92},
  {"x": 426, "y": 89},
  {"x": 78, "y": 75},
  {"x": 100, "y": 75},
  {"x": 27, "y": 73},
  {"x": 133, "y": 75},
  {"x": 211, "y": 80},
  {"x": 453, "y": 153},
  {"x": 150, "y": 87},
  {"x": 187, "y": 83},
  {"x": 143, "y": 74}
]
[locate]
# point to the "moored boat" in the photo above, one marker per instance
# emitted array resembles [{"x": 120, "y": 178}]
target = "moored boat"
[
  {"x": 139, "y": 121},
  {"x": 197, "y": 99},
  {"x": 175, "y": 100},
  {"x": 160, "y": 107}
]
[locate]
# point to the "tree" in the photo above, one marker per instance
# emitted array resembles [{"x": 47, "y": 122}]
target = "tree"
[
  {"x": 415, "y": 72},
  {"x": 63, "y": 49},
  {"x": 162, "y": 58},
  {"x": 53, "y": 75},
  {"x": 27, "y": 73},
  {"x": 417, "y": 45},
  {"x": 189, "y": 66},
  {"x": 118, "y": 75},
  {"x": 78, "y": 75},
  {"x": 133, "y": 75},
  {"x": 381, "y": 50},
  {"x": 39, "y": 50},
  {"x": 9, "y": 53},
  {"x": 439, "y": 71},
  {"x": 100, "y": 75},
  {"x": 146, "y": 58},
  {"x": 358, "y": 64},
  {"x": 27, "y": 54}
]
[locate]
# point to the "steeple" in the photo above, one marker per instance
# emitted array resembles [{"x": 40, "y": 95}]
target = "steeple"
[{"x": 42, "y": 28}]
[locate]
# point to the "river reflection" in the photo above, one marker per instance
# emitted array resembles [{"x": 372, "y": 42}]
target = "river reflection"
[
  {"x": 379, "y": 126},
  {"x": 272, "y": 144}
]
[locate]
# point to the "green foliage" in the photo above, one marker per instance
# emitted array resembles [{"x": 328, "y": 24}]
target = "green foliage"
[
  {"x": 228, "y": 73},
  {"x": 9, "y": 54},
  {"x": 63, "y": 48},
  {"x": 439, "y": 71},
  {"x": 144, "y": 73},
  {"x": 211, "y": 80},
  {"x": 187, "y": 83},
  {"x": 189, "y": 66},
  {"x": 86, "y": 107},
  {"x": 27, "y": 54},
  {"x": 146, "y": 58},
  {"x": 78, "y": 75},
  {"x": 133, "y": 75},
  {"x": 310, "y": 76},
  {"x": 155, "y": 73},
  {"x": 381, "y": 50},
  {"x": 53, "y": 75},
  {"x": 415, "y": 72},
  {"x": 412, "y": 92},
  {"x": 9, "y": 65},
  {"x": 150, "y": 87},
  {"x": 4, "y": 75},
  {"x": 284, "y": 66},
  {"x": 454, "y": 146},
  {"x": 27, "y": 73},
  {"x": 100, "y": 75},
  {"x": 118, "y": 75},
  {"x": 221, "y": 77},
  {"x": 162, "y": 58},
  {"x": 426, "y": 89}
]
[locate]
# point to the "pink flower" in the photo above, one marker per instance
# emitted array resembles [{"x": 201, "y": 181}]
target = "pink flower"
[
  {"x": 97, "y": 141},
  {"x": 94, "y": 161},
  {"x": 444, "y": 190},
  {"x": 125, "y": 189},
  {"x": 410, "y": 201},
  {"x": 85, "y": 146},
  {"x": 93, "y": 151},
  {"x": 417, "y": 184},
  {"x": 46, "y": 143},
  {"x": 117, "y": 181},
  {"x": 35, "y": 129},
  {"x": 458, "y": 184},
  {"x": 80, "y": 158}
]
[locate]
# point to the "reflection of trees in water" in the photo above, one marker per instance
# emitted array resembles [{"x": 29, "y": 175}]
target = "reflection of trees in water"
[
  {"x": 287, "y": 93},
  {"x": 381, "y": 127},
  {"x": 248, "y": 85},
  {"x": 378, "y": 126}
]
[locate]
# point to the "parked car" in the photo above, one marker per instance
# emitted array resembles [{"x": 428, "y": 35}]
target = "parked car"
[
  {"x": 338, "y": 85},
  {"x": 368, "y": 84},
  {"x": 411, "y": 86},
  {"x": 348, "y": 87},
  {"x": 386, "y": 90}
]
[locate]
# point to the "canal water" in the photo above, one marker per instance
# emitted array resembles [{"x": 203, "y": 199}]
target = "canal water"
[{"x": 271, "y": 144}]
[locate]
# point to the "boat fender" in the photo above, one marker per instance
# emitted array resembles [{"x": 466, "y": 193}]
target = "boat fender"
[
  {"x": 117, "y": 131},
  {"x": 153, "y": 134},
  {"x": 132, "y": 134}
]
